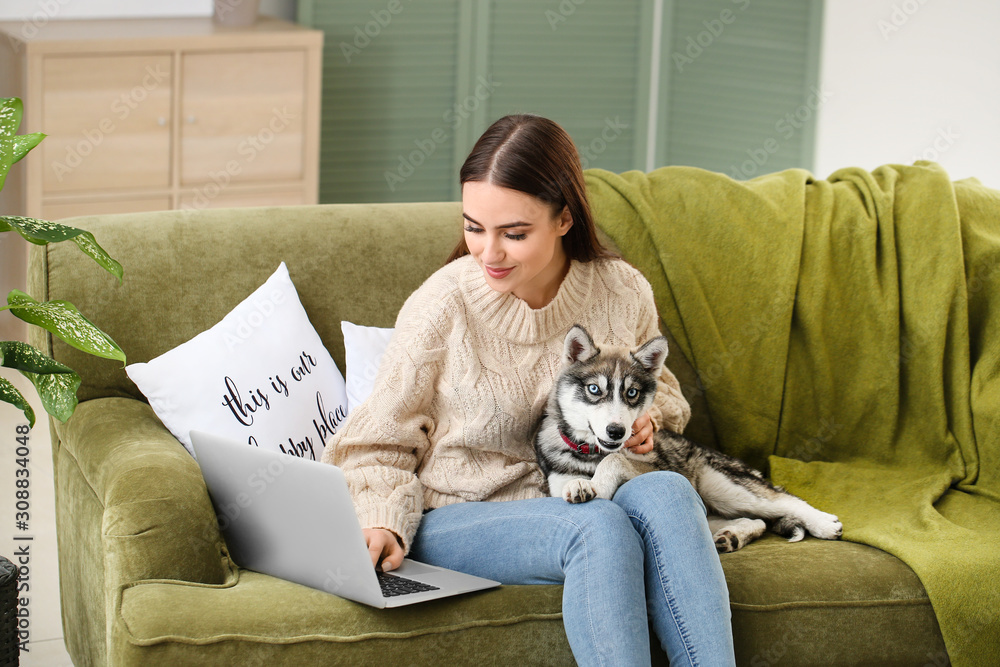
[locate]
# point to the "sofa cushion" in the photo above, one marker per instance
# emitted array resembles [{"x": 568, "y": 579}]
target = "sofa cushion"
[
  {"x": 828, "y": 603},
  {"x": 260, "y": 376},
  {"x": 825, "y": 603},
  {"x": 257, "y": 619},
  {"x": 363, "y": 349}
]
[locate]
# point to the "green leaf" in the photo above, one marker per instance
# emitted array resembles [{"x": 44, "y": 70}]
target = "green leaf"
[
  {"x": 88, "y": 244},
  {"x": 37, "y": 231},
  {"x": 13, "y": 147},
  {"x": 11, "y": 111},
  {"x": 10, "y": 394},
  {"x": 41, "y": 232},
  {"x": 65, "y": 321},
  {"x": 57, "y": 391},
  {"x": 19, "y": 145},
  {"x": 55, "y": 383},
  {"x": 23, "y": 357}
]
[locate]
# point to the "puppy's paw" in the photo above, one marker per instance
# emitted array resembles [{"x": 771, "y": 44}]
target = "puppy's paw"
[
  {"x": 726, "y": 541},
  {"x": 824, "y": 526},
  {"x": 737, "y": 534},
  {"x": 579, "y": 491}
]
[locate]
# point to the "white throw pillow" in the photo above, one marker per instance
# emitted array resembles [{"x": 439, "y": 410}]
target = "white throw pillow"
[
  {"x": 260, "y": 376},
  {"x": 363, "y": 348}
]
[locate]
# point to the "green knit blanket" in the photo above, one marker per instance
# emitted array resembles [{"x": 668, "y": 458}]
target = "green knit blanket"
[{"x": 845, "y": 334}]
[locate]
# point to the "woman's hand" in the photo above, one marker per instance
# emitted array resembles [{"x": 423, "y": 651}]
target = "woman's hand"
[
  {"x": 641, "y": 441},
  {"x": 384, "y": 547}
]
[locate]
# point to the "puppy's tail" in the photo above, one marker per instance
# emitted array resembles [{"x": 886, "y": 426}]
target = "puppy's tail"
[{"x": 789, "y": 527}]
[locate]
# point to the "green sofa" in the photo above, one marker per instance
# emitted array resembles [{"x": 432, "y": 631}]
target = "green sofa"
[{"x": 145, "y": 576}]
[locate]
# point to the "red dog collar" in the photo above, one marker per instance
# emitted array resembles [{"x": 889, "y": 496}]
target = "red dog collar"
[{"x": 582, "y": 447}]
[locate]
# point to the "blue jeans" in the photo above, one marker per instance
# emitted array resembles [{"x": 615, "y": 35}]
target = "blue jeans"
[{"x": 648, "y": 549}]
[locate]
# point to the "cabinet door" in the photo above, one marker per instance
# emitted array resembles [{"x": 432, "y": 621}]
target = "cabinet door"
[
  {"x": 108, "y": 122},
  {"x": 242, "y": 117}
]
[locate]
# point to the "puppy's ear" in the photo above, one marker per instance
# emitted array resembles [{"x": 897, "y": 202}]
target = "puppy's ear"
[
  {"x": 578, "y": 346},
  {"x": 652, "y": 354}
]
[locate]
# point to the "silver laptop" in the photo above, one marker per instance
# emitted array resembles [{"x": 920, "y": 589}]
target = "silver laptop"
[{"x": 294, "y": 519}]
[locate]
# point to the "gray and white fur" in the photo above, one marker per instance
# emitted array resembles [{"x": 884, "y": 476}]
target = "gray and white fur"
[{"x": 599, "y": 394}]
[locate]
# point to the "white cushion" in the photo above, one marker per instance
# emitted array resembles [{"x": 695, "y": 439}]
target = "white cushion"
[
  {"x": 363, "y": 347},
  {"x": 260, "y": 376}
]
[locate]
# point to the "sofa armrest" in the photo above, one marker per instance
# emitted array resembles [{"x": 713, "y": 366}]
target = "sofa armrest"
[{"x": 158, "y": 520}]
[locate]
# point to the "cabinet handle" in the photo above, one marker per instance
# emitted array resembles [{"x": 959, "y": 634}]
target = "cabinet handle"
[
  {"x": 192, "y": 120},
  {"x": 161, "y": 121}
]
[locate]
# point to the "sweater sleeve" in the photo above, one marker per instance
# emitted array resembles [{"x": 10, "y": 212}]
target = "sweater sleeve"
[
  {"x": 670, "y": 409},
  {"x": 381, "y": 444}
]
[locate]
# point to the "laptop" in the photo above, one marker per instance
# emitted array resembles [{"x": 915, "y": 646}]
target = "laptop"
[{"x": 294, "y": 518}]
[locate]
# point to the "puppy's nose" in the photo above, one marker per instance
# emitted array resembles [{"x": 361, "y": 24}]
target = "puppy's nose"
[{"x": 616, "y": 431}]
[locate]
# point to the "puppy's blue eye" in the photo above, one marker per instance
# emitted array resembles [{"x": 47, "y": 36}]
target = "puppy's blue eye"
[
  {"x": 631, "y": 393},
  {"x": 594, "y": 390}
]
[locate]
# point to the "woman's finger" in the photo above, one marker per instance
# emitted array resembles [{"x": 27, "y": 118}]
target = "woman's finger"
[
  {"x": 641, "y": 441},
  {"x": 393, "y": 557},
  {"x": 384, "y": 548}
]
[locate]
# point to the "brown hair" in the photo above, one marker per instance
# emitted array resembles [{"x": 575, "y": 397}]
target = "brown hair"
[{"x": 536, "y": 156}]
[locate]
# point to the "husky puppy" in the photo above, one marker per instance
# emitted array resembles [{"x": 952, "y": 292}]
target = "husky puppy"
[{"x": 579, "y": 442}]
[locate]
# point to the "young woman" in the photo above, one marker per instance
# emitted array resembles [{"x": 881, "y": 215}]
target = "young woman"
[{"x": 446, "y": 434}]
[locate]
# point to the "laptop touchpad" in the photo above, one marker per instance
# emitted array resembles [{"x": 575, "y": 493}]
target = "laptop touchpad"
[{"x": 411, "y": 568}]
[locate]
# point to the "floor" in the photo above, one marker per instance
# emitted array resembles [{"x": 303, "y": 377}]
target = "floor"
[{"x": 45, "y": 643}]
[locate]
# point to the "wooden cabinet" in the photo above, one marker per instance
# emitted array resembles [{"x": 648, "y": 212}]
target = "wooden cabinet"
[{"x": 163, "y": 113}]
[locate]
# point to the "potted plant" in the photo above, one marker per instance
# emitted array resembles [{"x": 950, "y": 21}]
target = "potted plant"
[{"x": 55, "y": 383}]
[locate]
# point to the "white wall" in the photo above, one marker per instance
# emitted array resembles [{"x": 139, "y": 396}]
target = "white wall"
[
  {"x": 44, "y": 10},
  {"x": 911, "y": 79},
  {"x": 39, "y": 11}
]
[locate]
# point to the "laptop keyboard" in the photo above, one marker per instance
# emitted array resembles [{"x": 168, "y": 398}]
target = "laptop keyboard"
[{"x": 393, "y": 585}]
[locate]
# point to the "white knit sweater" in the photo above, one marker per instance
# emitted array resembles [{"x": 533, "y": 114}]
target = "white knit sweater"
[{"x": 464, "y": 381}]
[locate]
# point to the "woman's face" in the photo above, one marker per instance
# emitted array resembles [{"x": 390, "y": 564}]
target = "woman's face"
[{"x": 516, "y": 240}]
